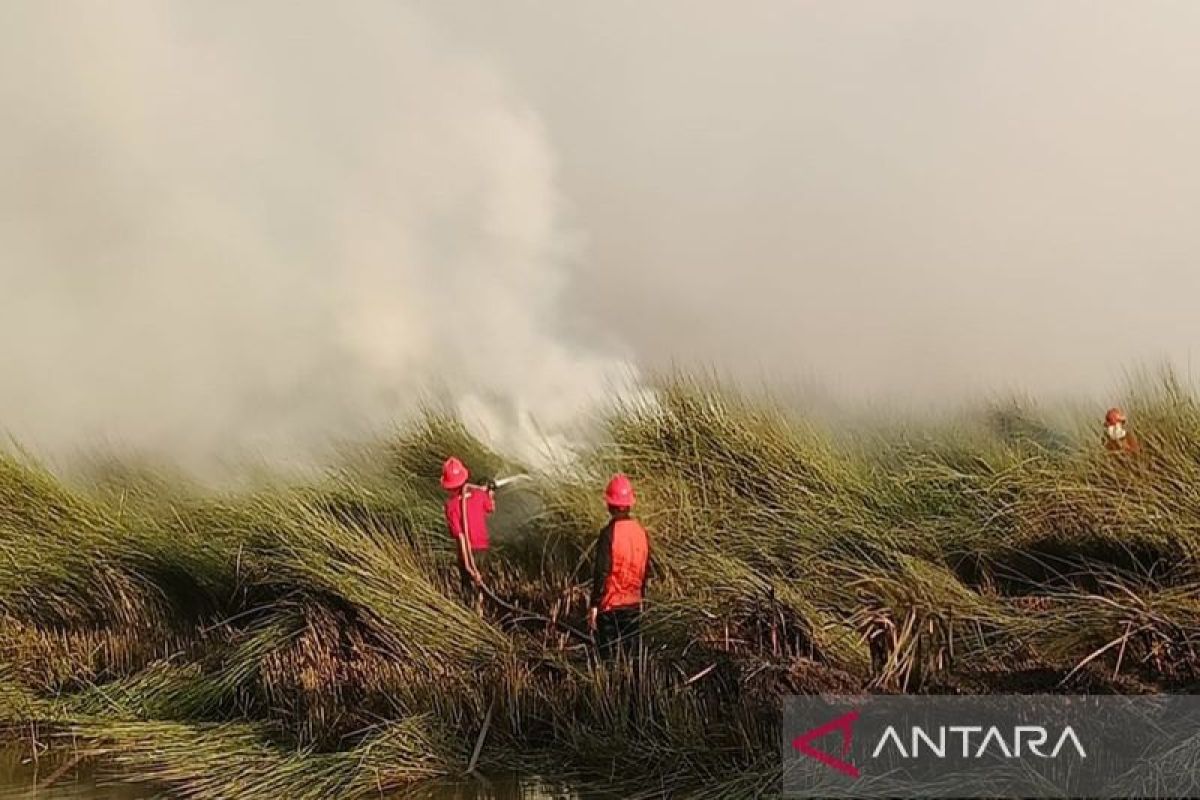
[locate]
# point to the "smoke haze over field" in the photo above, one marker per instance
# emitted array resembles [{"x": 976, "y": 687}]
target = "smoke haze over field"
[
  {"x": 265, "y": 224},
  {"x": 905, "y": 199},
  {"x": 258, "y": 226}
]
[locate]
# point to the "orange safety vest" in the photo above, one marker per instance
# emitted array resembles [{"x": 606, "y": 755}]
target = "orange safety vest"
[{"x": 630, "y": 554}]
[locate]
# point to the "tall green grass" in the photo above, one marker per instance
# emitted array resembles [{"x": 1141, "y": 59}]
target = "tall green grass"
[{"x": 308, "y": 640}]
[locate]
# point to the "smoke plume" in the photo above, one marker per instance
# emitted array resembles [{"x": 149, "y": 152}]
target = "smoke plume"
[{"x": 232, "y": 228}]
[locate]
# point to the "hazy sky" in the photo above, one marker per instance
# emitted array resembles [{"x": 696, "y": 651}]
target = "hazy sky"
[
  {"x": 893, "y": 197},
  {"x": 264, "y": 224}
]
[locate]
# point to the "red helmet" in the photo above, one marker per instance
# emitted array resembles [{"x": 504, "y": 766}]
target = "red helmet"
[
  {"x": 454, "y": 473},
  {"x": 619, "y": 492},
  {"x": 1114, "y": 416}
]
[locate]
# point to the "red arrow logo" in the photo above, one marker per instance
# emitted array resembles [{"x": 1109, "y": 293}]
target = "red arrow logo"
[{"x": 845, "y": 724}]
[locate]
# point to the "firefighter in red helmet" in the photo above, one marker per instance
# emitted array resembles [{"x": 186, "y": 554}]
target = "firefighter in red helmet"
[
  {"x": 467, "y": 509},
  {"x": 622, "y": 567},
  {"x": 1117, "y": 437}
]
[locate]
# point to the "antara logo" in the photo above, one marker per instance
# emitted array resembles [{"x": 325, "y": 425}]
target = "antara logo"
[
  {"x": 844, "y": 724},
  {"x": 947, "y": 741}
]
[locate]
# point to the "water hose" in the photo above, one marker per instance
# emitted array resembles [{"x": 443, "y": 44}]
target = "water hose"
[{"x": 554, "y": 623}]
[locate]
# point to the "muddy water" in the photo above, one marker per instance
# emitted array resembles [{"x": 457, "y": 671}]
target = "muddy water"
[{"x": 55, "y": 778}]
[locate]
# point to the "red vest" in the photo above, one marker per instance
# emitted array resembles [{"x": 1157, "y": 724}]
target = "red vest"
[
  {"x": 473, "y": 506},
  {"x": 630, "y": 551}
]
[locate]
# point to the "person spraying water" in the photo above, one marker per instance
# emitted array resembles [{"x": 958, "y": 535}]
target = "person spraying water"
[{"x": 467, "y": 510}]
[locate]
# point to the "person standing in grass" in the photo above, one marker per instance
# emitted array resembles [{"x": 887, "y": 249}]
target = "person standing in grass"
[
  {"x": 621, "y": 570},
  {"x": 1117, "y": 437},
  {"x": 467, "y": 510}
]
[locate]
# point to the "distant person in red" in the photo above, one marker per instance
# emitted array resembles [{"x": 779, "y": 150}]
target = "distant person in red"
[
  {"x": 622, "y": 568},
  {"x": 1117, "y": 437},
  {"x": 467, "y": 510}
]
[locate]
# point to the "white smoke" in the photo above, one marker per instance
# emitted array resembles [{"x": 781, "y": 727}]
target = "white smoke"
[{"x": 259, "y": 226}]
